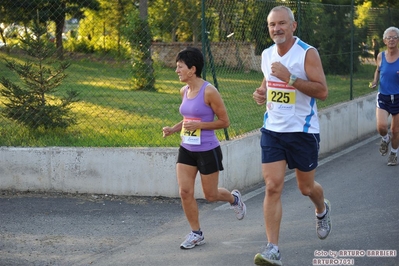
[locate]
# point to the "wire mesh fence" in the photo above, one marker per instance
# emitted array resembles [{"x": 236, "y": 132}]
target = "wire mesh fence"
[{"x": 120, "y": 58}]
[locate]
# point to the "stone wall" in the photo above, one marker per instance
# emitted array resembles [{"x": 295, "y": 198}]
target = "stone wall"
[{"x": 230, "y": 54}]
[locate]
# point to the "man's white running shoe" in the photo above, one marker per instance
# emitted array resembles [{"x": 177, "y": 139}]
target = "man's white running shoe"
[
  {"x": 270, "y": 256},
  {"x": 384, "y": 146},
  {"x": 393, "y": 159},
  {"x": 192, "y": 240},
  {"x": 323, "y": 225}
]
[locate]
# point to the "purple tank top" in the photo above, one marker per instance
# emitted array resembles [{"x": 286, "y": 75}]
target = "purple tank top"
[{"x": 196, "y": 108}]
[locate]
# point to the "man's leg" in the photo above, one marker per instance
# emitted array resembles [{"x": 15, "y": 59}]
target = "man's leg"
[
  {"x": 382, "y": 128},
  {"x": 395, "y": 131},
  {"x": 382, "y": 121},
  {"x": 309, "y": 187},
  {"x": 314, "y": 191},
  {"x": 273, "y": 174},
  {"x": 393, "y": 156}
]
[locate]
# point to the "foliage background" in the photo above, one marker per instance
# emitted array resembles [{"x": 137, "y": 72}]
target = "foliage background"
[{"x": 101, "y": 39}]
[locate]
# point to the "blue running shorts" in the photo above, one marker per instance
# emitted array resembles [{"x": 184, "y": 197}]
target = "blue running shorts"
[
  {"x": 300, "y": 150},
  {"x": 389, "y": 103}
]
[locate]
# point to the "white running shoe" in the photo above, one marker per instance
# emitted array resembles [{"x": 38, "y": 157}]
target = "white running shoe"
[
  {"x": 270, "y": 256},
  {"x": 393, "y": 159},
  {"x": 192, "y": 240},
  {"x": 384, "y": 146},
  {"x": 240, "y": 209},
  {"x": 323, "y": 226}
]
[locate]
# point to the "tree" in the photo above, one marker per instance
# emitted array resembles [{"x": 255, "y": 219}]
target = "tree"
[
  {"x": 139, "y": 36},
  {"x": 259, "y": 30},
  {"x": 33, "y": 104},
  {"x": 56, "y": 10},
  {"x": 144, "y": 48},
  {"x": 336, "y": 54},
  {"x": 380, "y": 3},
  {"x": 49, "y": 10},
  {"x": 174, "y": 20},
  {"x": 164, "y": 20},
  {"x": 101, "y": 30}
]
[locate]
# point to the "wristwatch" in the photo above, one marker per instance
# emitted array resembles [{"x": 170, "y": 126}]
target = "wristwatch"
[{"x": 292, "y": 79}]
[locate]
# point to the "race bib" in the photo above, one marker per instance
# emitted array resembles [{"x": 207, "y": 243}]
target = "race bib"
[
  {"x": 281, "y": 97},
  {"x": 191, "y": 137}
]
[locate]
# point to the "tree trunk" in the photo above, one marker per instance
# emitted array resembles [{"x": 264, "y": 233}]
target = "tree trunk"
[
  {"x": 59, "y": 28},
  {"x": 143, "y": 8}
]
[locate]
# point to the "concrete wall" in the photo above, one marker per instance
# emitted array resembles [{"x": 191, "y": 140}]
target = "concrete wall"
[
  {"x": 347, "y": 122},
  {"x": 151, "y": 171}
]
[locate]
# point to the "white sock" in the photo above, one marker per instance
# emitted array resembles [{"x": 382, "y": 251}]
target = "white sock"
[
  {"x": 385, "y": 138},
  {"x": 319, "y": 215},
  {"x": 275, "y": 247},
  {"x": 394, "y": 150}
]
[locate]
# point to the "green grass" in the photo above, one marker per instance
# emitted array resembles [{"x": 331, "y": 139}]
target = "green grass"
[
  {"x": 111, "y": 114},
  {"x": 339, "y": 86}
]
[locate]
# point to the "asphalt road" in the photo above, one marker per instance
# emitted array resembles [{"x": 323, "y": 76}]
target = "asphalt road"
[{"x": 65, "y": 229}]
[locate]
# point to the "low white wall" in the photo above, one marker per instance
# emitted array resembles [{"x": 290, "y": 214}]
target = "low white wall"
[
  {"x": 347, "y": 122},
  {"x": 151, "y": 171}
]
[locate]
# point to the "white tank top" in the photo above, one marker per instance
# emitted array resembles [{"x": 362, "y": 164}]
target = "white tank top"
[{"x": 287, "y": 109}]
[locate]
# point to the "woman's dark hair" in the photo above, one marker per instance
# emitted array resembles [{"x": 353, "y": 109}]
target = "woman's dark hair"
[{"x": 192, "y": 56}]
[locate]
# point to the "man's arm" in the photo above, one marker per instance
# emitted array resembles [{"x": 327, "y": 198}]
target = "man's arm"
[
  {"x": 316, "y": 85},
  {"x": 259, "y": 94},
  {"x": 376, "y": 73}
]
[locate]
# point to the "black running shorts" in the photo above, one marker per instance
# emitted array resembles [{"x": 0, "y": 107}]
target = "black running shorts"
[{"x": 207, "y": 162}]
